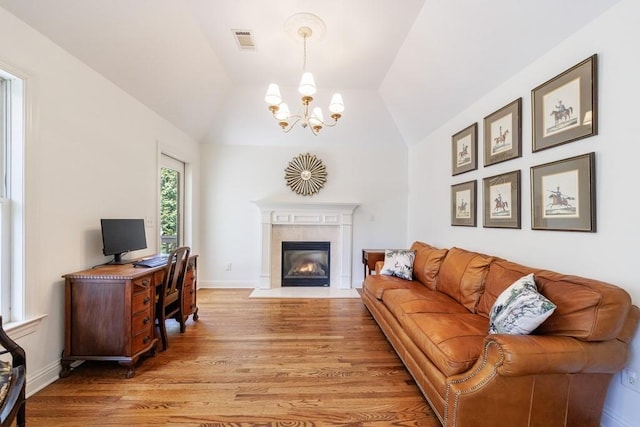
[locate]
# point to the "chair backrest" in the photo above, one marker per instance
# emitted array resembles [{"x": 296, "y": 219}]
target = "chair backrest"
[{"x": 176, "y": 270}]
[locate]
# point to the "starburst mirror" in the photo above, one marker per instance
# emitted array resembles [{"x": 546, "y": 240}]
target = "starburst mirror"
[{"x": 305, "y": 174}]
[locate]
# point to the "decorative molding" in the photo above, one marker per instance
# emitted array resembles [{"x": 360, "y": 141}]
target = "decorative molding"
[
  {"x": 17, "y": 330},
  {"x": 283, "y": 213}
]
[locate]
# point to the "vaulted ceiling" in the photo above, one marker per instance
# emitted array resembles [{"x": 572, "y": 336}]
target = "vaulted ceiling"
[{"x": 404, "y": 67}]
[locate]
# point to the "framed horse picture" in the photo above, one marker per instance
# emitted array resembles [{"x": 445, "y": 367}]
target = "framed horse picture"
[
  {"x": 464, "y": 150},
  {"x": 463, "y": 204},
  {"x": 565, "y": 108},
  {"x": 503, "y": 134},
  {"x": 501, "y": 195},
  {"x": 563, "y": 195}
]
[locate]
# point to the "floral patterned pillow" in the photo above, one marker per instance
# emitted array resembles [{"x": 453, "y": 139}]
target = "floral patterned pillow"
[
  {"x": 398, "y": 263},
  {"x": 520, "y": 308}
]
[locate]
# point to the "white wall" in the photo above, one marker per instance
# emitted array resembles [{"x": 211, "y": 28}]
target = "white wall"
[
  {"x": 235, "y": 176},
  {"x": 611, "y": 253},
  {"x": 92, "y": 152}
]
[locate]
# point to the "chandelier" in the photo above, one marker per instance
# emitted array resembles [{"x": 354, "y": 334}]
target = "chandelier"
[{"x": 314, "y": 119}]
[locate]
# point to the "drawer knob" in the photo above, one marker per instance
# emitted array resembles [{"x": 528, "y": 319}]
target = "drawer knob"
[
  {"x": 146, "y": 320},
  {"x": 146, "y": 339},
  {"x": 145, "y": 282},
  {"x": 146, "y": 300}
]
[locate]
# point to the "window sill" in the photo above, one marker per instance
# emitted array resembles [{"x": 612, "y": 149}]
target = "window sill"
[{"x": 17, "y": 330}]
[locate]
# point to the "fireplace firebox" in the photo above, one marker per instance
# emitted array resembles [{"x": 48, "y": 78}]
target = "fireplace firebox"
[{"x": 305, "y": 263}]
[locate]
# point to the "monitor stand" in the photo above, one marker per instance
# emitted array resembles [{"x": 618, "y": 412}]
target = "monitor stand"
[{"x": 117, "y": 259}]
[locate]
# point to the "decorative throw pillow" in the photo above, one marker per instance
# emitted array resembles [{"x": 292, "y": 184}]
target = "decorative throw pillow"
[
  {"x": 398, "y": 263},
  {"x": 520, "y": 308}
]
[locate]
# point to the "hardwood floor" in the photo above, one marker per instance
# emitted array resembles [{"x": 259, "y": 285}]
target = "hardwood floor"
[{"x": 249, "y": 362}]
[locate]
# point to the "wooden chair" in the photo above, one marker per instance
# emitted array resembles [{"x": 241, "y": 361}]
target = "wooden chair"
[
  {"x": 169, "y": 300},
  {"x": 12, "y": 406}
]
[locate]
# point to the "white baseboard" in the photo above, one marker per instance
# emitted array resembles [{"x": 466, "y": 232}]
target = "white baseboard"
[
  {"x": 42, "y": 378},
  {"x": 612, "y": 420}
]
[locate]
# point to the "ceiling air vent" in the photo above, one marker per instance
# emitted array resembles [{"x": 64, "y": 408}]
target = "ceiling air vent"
[{"x": 244, "y": 39}]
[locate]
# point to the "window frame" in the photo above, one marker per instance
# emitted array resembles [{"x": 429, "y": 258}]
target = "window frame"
[
  {"x": 12, "y": 199},
  {"x": 169, "y": 162},
  {"x": 5, "y": 203}
]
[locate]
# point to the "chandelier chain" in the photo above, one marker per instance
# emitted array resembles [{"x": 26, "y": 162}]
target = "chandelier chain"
[{"x": 304, "y": 57}]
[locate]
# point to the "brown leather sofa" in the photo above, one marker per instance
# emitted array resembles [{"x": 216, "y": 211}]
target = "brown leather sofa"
[{"x": 556, "y": 376}]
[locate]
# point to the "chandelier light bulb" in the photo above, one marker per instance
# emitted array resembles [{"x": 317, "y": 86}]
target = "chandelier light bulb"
[
  {"x": 273, "y": 95},
  {"x": 336, "y": 105},
  {"x": 307, "y": 84},
  {"x": 283, "y": 112},
  {"x": 316, "y": 117}
]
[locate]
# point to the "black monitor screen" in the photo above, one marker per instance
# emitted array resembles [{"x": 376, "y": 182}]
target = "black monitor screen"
[{"x": 122, "y": 235}]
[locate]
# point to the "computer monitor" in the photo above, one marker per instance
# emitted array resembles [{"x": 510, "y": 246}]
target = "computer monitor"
[{"x": 120, "y": 236}]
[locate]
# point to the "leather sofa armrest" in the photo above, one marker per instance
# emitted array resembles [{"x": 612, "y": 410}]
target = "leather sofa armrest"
[
  {"x": 530, "y": 369},
  {"x": 545, "y": 354}
]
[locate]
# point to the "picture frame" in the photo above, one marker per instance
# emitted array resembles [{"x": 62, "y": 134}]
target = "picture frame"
[
  {"x": 463, "y": 204},
  {"x": 565, "y": 108},
  {"x": 501, "y": 196},
  {"x": 464, "y": 150},
  {"x": 503, "y": 134},
  {"x": 563, "y": 195}
]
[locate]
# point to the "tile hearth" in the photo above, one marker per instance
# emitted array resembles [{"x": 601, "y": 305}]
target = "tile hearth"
[{"x": 305, "y": 292}]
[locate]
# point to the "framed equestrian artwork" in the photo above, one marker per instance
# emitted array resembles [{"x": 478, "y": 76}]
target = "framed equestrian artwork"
[
  {"x": 563, "y": 195},
  {"x": 503, "y": 134},
  {"x": 463, "y": 204},
  {"x": 565, "y": 108},
  {"x": 501, "y": 195},
  {"x": 464, "y": 150}
]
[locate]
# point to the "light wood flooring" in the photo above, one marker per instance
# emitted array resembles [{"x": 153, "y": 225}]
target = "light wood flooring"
[{"x": 249, "y": 362}]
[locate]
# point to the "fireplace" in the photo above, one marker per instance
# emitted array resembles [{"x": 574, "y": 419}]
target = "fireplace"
[
  {"x": 306, "y": 263},
  {"x": 311, "y": 221}
]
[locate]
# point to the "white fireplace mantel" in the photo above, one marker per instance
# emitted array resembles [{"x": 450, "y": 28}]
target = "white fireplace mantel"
[{"x": 283, "y": 213}]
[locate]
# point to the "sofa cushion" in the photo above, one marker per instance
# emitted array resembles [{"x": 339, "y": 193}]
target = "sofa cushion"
[
  {"x": 377, "y": 284},
  {"x": 419, "y": 300},
  {"x": 520, "y": 309},
  {"x": 462, "y": 275},
  {"x": 586, "y": 309},
  {"x": 453, "y": 342},
  {"x": 500, "y": 276},
  {"x": 427, "y": 263},
  {"x": 399, "y": 263}
]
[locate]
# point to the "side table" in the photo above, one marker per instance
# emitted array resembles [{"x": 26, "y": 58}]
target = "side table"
[{"x": 369, "y": 259}]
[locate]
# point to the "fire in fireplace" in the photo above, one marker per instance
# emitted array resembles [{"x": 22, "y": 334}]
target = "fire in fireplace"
[{"x": 305, "y": 263}]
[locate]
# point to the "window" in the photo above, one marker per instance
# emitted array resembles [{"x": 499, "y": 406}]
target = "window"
[
  {"x": 11, "y": 197},
  {"x": 5, "y": 205},
  {"x": 171, "y": 203}
]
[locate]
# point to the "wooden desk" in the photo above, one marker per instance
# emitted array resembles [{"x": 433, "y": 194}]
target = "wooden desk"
[
  {"x": 110, "y": 313},
  {"x": 369, "y": 259}
]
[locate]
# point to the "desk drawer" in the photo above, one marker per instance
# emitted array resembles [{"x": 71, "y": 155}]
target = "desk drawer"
[
  {"x": 142, "y": 283},
  {"x": 141, "y": 302},
  {"x": 188, "y": 277},
  {"x": 188, "y": 299},
  {"x": 141, "y": 322},
  {"x": 141, "y": 341}
]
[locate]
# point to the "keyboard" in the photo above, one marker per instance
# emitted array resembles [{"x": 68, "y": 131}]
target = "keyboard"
[{"x": 156, "y": 261}]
